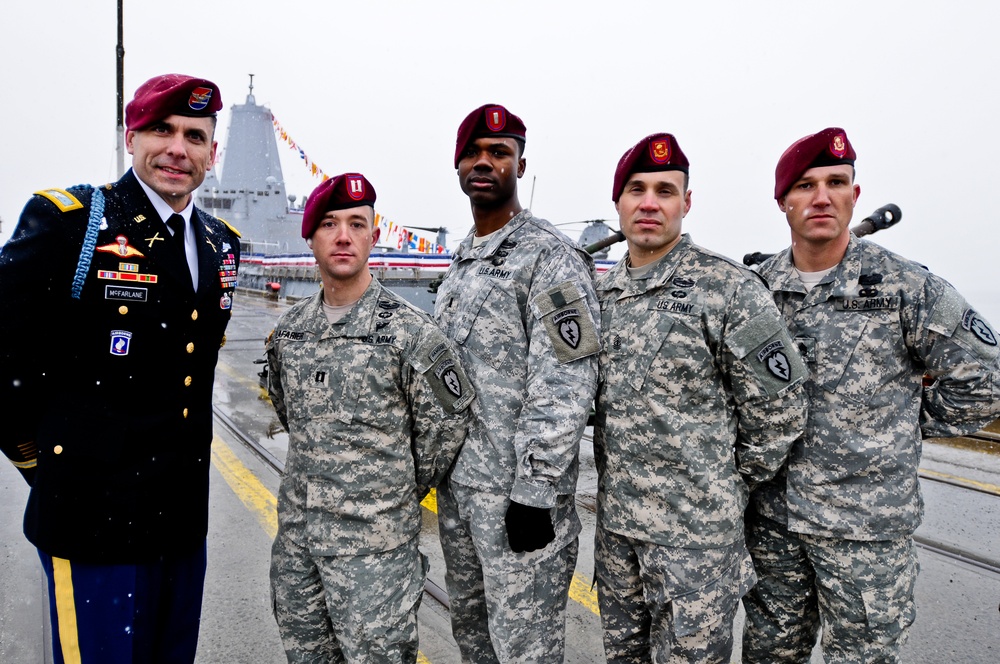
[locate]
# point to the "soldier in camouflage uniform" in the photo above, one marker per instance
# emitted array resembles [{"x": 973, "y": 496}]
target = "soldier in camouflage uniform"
[
  {"x": 376, "y": 406},
  {"x": 831, "y": 535},
  {"x": 519, "y": 302},
  {"x": 699, "y": 397}
]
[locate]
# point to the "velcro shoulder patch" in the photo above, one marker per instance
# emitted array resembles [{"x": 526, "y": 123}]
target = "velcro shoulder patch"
[
  {"x": 433, "y": 357},
  {"x": 567, "y": 321},
  {"x": 62, "y": 199},
  {"x": 947, "y": 314}
]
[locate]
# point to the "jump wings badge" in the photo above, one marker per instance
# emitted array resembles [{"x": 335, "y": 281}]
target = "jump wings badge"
[{"x": 121, "y": 247}]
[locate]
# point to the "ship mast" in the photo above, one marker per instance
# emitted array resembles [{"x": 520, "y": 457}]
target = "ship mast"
[{"x": 120, "y": 128}]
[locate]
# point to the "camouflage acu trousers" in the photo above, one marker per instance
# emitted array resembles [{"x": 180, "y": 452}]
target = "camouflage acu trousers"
[
  {"x": 860, "y": 591},
  {"x": 351, "y": 609},
  {"x": 505, "y": 607},
  {"x": 666, "y": 604}
]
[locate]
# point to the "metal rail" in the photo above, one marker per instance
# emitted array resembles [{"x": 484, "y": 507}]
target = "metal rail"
[{"x": 957, "y": 483}]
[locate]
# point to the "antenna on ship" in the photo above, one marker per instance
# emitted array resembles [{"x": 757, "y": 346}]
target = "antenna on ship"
[
  {"x": 250, "y": 95},
  {"x": 120, "y": 128}
]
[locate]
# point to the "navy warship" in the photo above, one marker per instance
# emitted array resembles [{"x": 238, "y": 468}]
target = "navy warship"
[{"x": 250, "y": 194}]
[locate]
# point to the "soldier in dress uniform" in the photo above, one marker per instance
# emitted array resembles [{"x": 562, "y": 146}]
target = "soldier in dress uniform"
[
  {"x": 519, "y": 302},
  {"x": 895, "y": 354},
  {"x": 376, "y": 406},
  {"x": 700, "y": 397},
  {"x": 124, "y": 292}
]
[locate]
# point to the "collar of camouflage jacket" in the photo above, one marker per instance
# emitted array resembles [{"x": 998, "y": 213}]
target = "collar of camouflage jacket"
[
  {"x": 658, "y": 276},
  {"x": 356, "y": 323},
  {"x": 465, "y": 250},
  {"x": 841, "y": 282}
]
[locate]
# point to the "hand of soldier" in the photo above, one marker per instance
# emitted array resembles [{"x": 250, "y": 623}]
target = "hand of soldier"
[{"x": 528, "y": 528}]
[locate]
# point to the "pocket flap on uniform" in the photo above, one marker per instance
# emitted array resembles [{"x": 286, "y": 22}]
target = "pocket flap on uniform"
[{"x": 699, "y": 609}]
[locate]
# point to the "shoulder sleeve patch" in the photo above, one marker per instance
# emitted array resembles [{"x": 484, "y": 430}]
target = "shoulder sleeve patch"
[
  {"x": 433, "y": 357},
  {"x": 776, "y": 364},
  {"x": 568, "y": 322},
  {"x": 62, "y": 199},
  {"x": 230, "y": 227},
  {"x": 450, "y": 384}
]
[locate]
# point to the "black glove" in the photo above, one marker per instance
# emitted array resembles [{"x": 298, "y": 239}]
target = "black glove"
[{"x": 528, "y": 528}]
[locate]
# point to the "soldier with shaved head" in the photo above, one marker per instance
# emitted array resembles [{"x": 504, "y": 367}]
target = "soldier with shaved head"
[
  {"x": 518, "y": 300},
  {"x": 375, "y": 404},
  {"x": 895, "y": 354},
  {"x": 700, "y": 398}
]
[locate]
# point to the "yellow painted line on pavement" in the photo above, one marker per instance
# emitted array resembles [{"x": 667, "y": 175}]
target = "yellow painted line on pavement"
[
  {"x": 579, "y": 587},
  {"x": 255, "y": 496},
  {"x": 430, "y": 501},
  {"x": 985, "y": 486},
  {"x": 581, "y": 591}
]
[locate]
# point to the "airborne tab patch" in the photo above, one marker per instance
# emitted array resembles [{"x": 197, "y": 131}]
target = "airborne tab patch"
[{"x": 62, "y": 199}]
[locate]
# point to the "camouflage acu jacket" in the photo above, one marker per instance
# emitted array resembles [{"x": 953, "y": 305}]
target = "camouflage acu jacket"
[
  {"x": 700, "y": 392},
  {"x": 522, "y": 310},
  {"x": 376, "y": 407},
  {"x": 868, "y": 333}
]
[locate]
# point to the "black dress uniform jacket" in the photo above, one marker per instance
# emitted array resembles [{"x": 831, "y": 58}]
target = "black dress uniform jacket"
[{"x": 111, "y": 391}]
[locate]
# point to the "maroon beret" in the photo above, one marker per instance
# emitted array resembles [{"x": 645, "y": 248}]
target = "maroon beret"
[
  {"x": 171, "y": 94},
  {"x": 656, "y": 152},
  {"x": 488, "y": 120},
  {"x": 337, "y": 193},
  {"x": 826, "y": 148}
]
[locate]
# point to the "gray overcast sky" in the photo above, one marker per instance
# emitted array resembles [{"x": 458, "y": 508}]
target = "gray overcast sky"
[{"x": 380, "y": 87}]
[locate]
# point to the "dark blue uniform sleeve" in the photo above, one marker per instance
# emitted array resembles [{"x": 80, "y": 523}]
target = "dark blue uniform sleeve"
[{"x": 35, "y": 264}]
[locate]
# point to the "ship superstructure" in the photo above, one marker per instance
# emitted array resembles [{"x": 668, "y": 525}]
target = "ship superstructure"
[{"x": 250, "y": 194}]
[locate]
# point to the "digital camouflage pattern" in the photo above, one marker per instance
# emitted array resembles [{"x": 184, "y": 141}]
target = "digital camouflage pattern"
[
  {"x": 521, "y": 309},
  {"x": 523, "y": 616},
  {"x": 376, "y": 407},
  {"x": 831, "y": 534},
  {"x": 866, "y": 588},
  {"x": 669, "y": 604},
  {"x": 699, "y": 395},
  {"x": 868, "y": 333},
  {"x": 356, "y": 609}
]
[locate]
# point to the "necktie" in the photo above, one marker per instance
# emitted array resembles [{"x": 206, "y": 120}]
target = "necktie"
[{"x": 176, "y": 224}]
